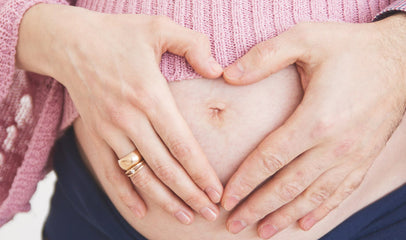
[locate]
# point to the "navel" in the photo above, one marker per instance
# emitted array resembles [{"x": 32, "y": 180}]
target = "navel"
[{"x": 216, "y": 111}]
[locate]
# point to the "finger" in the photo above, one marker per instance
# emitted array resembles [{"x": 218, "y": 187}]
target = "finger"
[
  {"x": 177, "y": 136},
  {"x": 351, "y": 182},
  {"x": 266, "y": 58},
  {"x": 194, "y": 46},
  {"x": 168, "y": 170},
  {"x": 125, "y": 191},
  {"x": 284, "y": 187},
  {"x": 115, "y": 177},
  {"x": 149, "y": 186},
  {"x": 117, "y": 141},
  {"x": 277, "y": 149},
  {"x": 310, "y": 199},
  {"x": 155, "y": 100}
]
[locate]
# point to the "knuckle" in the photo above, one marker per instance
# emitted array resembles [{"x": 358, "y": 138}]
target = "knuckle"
[
  {"x": 301, "y": 30},
  {"x": 193, "y": 200},
  {"x": 197, "y": 41},
  {"x": 118, "y": 117},
  {"x": 180, "y": 149},
  {"x": 97, "y": 128},
  {"x": 319, "y": 196},
  {"x": 328, "y": 207},
  {"x": 141, "y": 179},
  {"x": 244, "y": 186},
  {"x": 203, "y": 39},
  {"x": 166, "y": 174},
  {"x": 351, "y": 186},
  {"x": 147, "y": 100},
  {"x": 289, "y": 191},
  {"x": 160, "y": 22},
  {"x": 112, "y": 178},
  {"x": 322, "y": 128},
  {"x": 343, "y": 148},
  {"x": 270, "y": 162},
  {"x": 264, "y": 50},
  {"x": 169, "y": 206},
  {"x": 200, "y": 178},
  {"x": 125, "y": 197},
  {"x": 254, "y": 212},
  {"x": 285, "y": 219}
]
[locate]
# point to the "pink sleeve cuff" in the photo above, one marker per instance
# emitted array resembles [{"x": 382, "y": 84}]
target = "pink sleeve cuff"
[
  {"x": 395, "y": 7},
  {"x": 24, "y": 165}
]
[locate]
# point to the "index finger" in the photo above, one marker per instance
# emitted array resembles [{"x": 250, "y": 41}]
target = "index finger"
[
  {"x": 177, "y": 136},
  {"x": 273, "y": 153}
]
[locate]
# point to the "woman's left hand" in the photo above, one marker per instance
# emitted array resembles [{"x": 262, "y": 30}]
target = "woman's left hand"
[{"x": 354, "y": 79}]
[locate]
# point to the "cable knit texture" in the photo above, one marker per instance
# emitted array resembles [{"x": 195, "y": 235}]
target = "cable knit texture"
[{"x": 35, "y": 109}]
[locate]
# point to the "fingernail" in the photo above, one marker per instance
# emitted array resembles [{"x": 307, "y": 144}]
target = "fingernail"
[
  {"x": 308, "y": 223},
  {"x": 215, "y": 66},
  {"x": 235, "y": 72},
  {"x": 208, "y": 213},
  {"x": 213, "y": 194},
  {"x": 231, "y": 202},
  {"x": 236, "y": 226},
  {"x": 267, "y": 231},
  {"x": 183, "y": 217}
]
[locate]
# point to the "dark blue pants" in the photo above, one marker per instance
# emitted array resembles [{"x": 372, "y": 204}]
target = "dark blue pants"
[{"x": 81, "y": 210}]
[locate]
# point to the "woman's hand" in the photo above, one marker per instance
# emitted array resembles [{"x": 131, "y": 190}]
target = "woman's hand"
[
  {"x": 110, "y": 67},
  {"x": 354, "y": 80}
]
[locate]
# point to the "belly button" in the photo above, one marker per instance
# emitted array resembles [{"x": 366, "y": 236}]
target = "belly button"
[{"x": 216, "y": 111}]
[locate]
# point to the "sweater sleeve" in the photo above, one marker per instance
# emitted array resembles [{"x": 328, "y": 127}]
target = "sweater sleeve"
[
  {"x": 31, "y": 112},
  {"x": 11, "y": 13},
  {"x": 395, "y": 7}
]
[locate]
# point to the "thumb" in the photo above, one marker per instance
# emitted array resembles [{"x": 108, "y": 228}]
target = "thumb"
[
  {"x": 194, "y": 46},
  {"x": 265, "y": 58}
]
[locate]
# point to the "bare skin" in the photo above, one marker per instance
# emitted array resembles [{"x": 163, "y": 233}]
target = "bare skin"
[
  {"x": 354, "y": 82},
  {"x": 228, "y": 123},
  {"x": 370, "y": 98},
  {"x": 112, "y": 75}
]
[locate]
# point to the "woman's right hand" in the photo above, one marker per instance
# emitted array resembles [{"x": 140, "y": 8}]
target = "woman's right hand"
[{"x": 110, "y": 66}]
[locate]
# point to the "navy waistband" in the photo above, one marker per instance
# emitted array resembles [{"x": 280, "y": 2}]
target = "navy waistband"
[{"x": 81, "y": 210}]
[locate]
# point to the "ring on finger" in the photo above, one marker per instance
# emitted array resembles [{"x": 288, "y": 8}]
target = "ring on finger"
[
  {"x": 134, "y": 169},
  {"x": 130, "y": 160}
]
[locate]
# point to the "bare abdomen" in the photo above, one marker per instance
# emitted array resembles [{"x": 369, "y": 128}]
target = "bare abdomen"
[{"x": 229, "y": 121}]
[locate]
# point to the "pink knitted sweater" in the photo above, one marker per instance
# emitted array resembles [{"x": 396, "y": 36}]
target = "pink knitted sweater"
[{"x": 35, "y": 109}]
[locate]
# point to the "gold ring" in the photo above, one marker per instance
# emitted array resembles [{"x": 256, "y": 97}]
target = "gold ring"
[
  {"x": 130, "y": 160},
  {"x": 134, "y": 169}
]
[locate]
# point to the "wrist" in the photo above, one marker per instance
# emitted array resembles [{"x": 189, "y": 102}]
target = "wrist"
[
  {"x": 43, "y": 32},
  {"x": 392, "y": 32}
]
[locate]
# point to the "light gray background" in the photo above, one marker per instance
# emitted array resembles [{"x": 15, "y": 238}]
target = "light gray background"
[{"x": 28, "y": 226}]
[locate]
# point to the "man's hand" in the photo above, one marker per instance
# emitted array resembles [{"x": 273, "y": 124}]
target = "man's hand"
[{"x": 354, "y": 80}]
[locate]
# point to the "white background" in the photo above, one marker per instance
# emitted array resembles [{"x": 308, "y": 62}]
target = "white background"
[{"x": 28, "y": 226}]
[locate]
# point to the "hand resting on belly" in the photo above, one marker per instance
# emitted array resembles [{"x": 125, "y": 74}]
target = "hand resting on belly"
[{"x": 229, "y": 121}]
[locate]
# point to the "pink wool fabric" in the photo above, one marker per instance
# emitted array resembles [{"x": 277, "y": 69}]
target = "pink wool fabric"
[{"x": 35, "y": 109}]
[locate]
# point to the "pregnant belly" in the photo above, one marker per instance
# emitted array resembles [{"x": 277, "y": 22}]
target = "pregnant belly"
[{"x": 229, "y": 121}]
